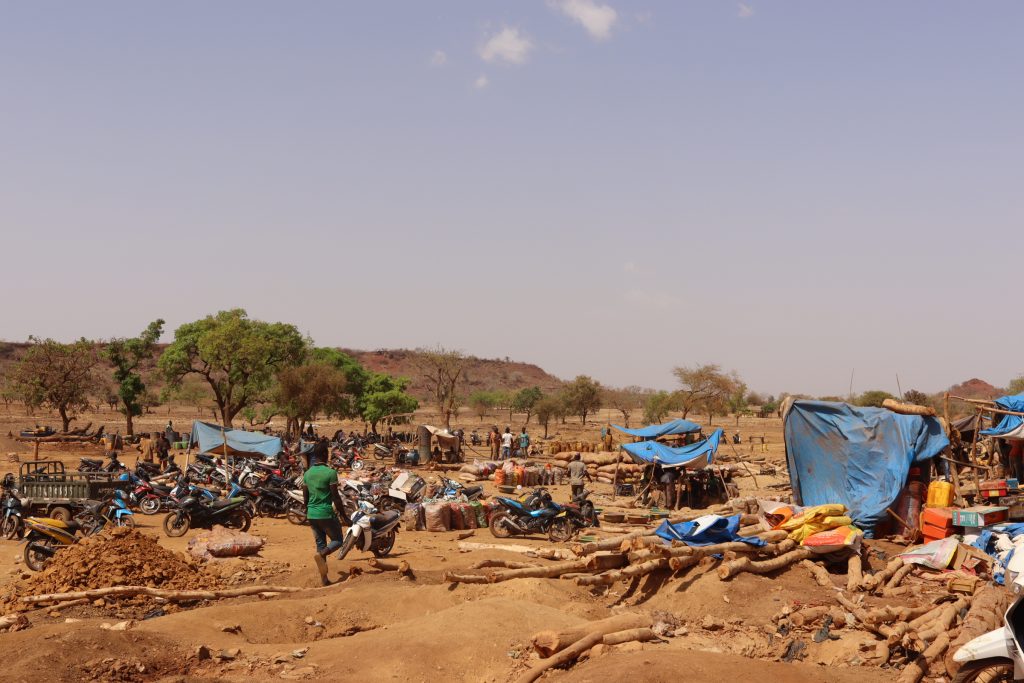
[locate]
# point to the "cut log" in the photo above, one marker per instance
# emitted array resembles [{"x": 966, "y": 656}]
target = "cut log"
[
  {"x": 546, "y": 553},
  {"x": 401, "y": 567},
  {"x": 172, "y": 595},
  {"x": 540, "y": 572},
  {"x": 809, "y": 615},
  {"x": 563, "y": 657},
  {"x": 12, "y": 620},
  {"x": 547, "y": 643},
  {"x": 986, "y": 614},
  {"x": 871, "y": 581},
  {"x": 939, "y": 625},
  {"x": 890, "y": 613},
  {"x": 501, "y": 564},
  {"x": 455, "y": 577},
  {"x": 916, "y": 670},
  {"x": 634, "y": 634},
  {"x": 745, "y": 564},
  {"x": 819, "y": 573},
  {"x": 899, "y": 575},
  {"x": 854, "y": 573}
]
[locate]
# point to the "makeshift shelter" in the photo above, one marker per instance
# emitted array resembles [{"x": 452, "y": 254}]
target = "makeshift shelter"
[
  {"x": 860, "y": 457},
  {"x": 1011, "y": 423},
  {"x": 446, "y": 441},
  {"x": 698, "y": 454},
  {"x": 670, "y": 428},
  {"x": 211, "y": 438}
]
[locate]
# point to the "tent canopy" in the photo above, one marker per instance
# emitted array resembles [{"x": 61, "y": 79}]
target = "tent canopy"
[
  {"x": 667, "y": 429},
  {"x": 210, "y": 439},
  {"x": 698, "y": 454},
  {"x": 860, "y": 457},
  {"x": 1009, "y": 426}
]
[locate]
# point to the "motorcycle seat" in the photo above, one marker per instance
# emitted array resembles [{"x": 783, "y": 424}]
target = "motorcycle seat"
[
  {"x": 222, "y": 502},
  {"x": 159, "y": 488},
  {"x": 380, "y": 520}
]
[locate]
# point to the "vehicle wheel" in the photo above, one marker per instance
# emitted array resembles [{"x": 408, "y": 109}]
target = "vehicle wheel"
[
  {"x": 587, "y": 510},
  {"x": 150, "y": 505},
  {"x": 357, "y": 465},
  {"x": 346, "y": 546},
  {"x": 61, "y": 514},
  {"x": 238, "y": 519},
  {"x": 383, "y": 545},
  {"x": 985, "y": 671},
  {"x": 250, "y": 481},
  {"x": 127, "y": 521},
  {"x": 10, "y": 529},
  {"x": 380, "y": 456},
  {"x": 499, "y": 525},
  {"x": 175, "y": 526},
  {"x": 35, "y": 560},
  {"x": 561, "y": 530},
  {"x": 264, "y": 508}
]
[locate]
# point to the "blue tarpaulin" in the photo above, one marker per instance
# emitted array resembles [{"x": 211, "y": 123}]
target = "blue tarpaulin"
[
  {"x": 1008, "y": 425},
  {"x": 210, "y": 439},
  {"x": 697, "y": 454},
  {"x": 860, "y": 457},
  {"x": 706, "y": 530},
  {"x": 667, "y": 429}
]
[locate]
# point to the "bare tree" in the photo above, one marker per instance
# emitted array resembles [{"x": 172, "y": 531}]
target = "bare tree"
[
  {"x": 703, "y": 386},
  {"x": 626, "y": 401},
  {"x": 442, "y": 370}
]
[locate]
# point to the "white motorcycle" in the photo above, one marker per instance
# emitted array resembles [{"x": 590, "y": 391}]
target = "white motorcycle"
[
  {"x": 371, "y": 531},
  {"x": 995, "y": 657}
]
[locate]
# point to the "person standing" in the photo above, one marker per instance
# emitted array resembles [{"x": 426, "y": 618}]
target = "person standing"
[
  {"x": 577, "y": 475},
  {"x": 320, "y": 493},
  {"x": 524, "y": 443},
  {"x": 668, "y": 478},
  {"x": 506, "y": 444},
  {"x": 163, "y": 450},
  {"x": 147, "y": 444},
  {"x": 169, "y": 433},
  {"x": 494, "y": 441}
]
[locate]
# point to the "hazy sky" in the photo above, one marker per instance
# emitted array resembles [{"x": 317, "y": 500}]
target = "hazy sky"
[{"x": 789, "y": 189}]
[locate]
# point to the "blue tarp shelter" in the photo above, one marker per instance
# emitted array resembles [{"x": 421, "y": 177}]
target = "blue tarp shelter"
[
  {"x": 668, "y": 429},
  {"x": 1009, "y": 426},
  {"x": 860, "y": 457},
  {"x": 209, "y": 438},
  {"x": 698, "y": 454},
  {"x": 706, "y": 530}
]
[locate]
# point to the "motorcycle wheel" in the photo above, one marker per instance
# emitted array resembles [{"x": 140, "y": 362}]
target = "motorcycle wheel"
[
  {"x": 589, "y": 514},
  {"x": 238, "y": 519},
  {"x": 985, "y": 671},
  {"x": 61, "y": 514},
  {"x": 35, "y": 560},
  {"x": 357, "y": 465},
  {"x": 11, "y": 528},
  {"x": 561, "y": 530},
  {"x": 499, "y": 525},
  {"x": 150, "y": 505},
  {"x": 346, "y": 546},
  {"x": 264, "y": 508},
  {"x": 127, "y": 521},
  {"x": 380, "y": 456},
  {"x": 250, "y": 481},
  {"x": 175, "y": 527},
  {"x": 383, "y": 545}
]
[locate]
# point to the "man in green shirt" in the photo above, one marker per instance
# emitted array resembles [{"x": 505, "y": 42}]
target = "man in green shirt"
[{"x": 320, "y": 491}]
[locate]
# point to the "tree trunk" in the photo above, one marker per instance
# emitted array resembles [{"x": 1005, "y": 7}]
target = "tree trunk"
[
  {"x": 547, "y": 643},
  {"x": 129, "y": 421},
  {"x": 64, "y": 417},
  {"x": 545, "y": 430}
]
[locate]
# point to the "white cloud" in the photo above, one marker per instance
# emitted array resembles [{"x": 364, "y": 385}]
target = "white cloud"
[
  {"x": 745, "y": 11},
  {"x": 439, "y": 58},
  {"x": 481, "y": 82},
  {"x": 595, "y": 18},
  {"x": 508, "y": 45}
]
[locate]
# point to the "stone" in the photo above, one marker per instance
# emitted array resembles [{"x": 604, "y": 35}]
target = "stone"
[
  {"x": 710, "y": 623},
  {"x": 229, "y": 654},
  {"x": 300, "y": 653},
  {"x": 202, "y": 652}
]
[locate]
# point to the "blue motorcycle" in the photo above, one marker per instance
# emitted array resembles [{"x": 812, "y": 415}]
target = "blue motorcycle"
[
  {"x": 118, "y": 512},
  {"x": 535, "y": 514}
]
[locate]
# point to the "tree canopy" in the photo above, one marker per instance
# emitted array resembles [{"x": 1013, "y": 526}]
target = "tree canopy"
[
  {"x": 873, "y": 398},
  {"x": 525, "y": 401},
  {"x": 58, "y": 376},
  {"x": 704, "y": 387},
  {"x": 582, "y": 396},
  {"x": 442, "y": 370},
  {"x": 127, "y": 355}
]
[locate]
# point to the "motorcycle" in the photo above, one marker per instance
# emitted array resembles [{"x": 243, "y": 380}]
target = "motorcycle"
[
  {"x": 371, "y": 531},
  {"x": 453, "y": 489},
  {"x": 995, "y": 657},
  {"x": 195, "y": 512},
  {"x": 13, "y": 525},
  {"x": 536, "y": 514},
  {"x": 118, "y": 512},
  {"x": 45, "y": 536},
  {"x": 474, "y": 438},
  {"x": 346, "y": 460}
]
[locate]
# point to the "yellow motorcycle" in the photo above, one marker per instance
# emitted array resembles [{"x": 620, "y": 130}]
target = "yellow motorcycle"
[{"x": 44, "y": 536}]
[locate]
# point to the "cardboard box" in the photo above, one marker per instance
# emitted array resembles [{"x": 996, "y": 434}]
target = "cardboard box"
[
  {"x": 936, "y": 523},
  {"x": 970, "y": 559},
  {"x": 994, "y": 488},
  {"x": 980, "y": 515},
  {"x": 1015, "y": 504}
]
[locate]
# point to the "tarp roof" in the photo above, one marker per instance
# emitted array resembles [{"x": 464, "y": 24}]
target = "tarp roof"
[
  {"x": 667, "y": 429},
  {"x": 1009, "y": 426},
  {"x": 210, "y": 439},
  {"x": 698, "y": 454},
  {"x": 860, "y": 457},
  {"x": 441, "y": 434}
]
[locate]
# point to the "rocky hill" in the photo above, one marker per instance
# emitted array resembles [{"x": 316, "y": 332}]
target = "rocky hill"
[{"x": 976, "y": 388}]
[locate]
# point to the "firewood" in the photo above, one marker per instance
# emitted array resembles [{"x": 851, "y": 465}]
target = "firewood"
[
  {"x": 939, "y": 625},
  {"x": 501, "y": 564},
  {"x": 854, "y": 573},
  {"x": 921, "y": 621},
  {"x": 631, "y": 572},
  {"x": 809, "y": 615},
  {"x": 454, "y": 577},
  {"x": 871, "y": 581},
  {"x": 540, "y": 572},
  {"x": 547, "y": 643},
  {"x": 172, "y": 595},
  {"x": 986, "y": 614},
  {"x": 546, "y": 553},
  {"x": 745, "y": 564},
  {"x": 899, "y": 575},
  {"x": 890, "y": 613},
  {"x": 916, "y": 670},
  {"x": 12, "y": 619},
  {"x": 634, "y": 634},
  {"x": 402, "y": 567},
  {"x": 820, "y": 574},
  {"x": 562, "y": 657}
]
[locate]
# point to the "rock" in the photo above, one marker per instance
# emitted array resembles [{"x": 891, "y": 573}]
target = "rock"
[
  {"x": 202, "y": 652},
  {"x": 70, "y": 620},
  {"x": 231, "y": 628},
  {"x": 310, "y": 620},
  {"x": 229, "y": 654},
  {"x": 119, "y": 626},
  {"x": 280, "y": 658},
  {"x": 54, "y": 613},
  {"x": 300, "y": 653},
  {"x": 98, "y": 602},
  {"x": 710, "y": 623},
  {"x": 301, "y": 672}
]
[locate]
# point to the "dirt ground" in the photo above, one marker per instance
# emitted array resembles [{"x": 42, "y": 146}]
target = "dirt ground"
[{"x": 378, "y": 627}]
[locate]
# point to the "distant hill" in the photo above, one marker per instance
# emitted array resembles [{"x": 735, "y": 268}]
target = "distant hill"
[
  {"x": 481, "y": 373},
  {"x": 976, "y": 388}
]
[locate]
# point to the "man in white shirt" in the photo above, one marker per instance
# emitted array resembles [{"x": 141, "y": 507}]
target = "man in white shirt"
[{"x": 506, "y": 443}]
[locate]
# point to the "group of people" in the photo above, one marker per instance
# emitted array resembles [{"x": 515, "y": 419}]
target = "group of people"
[
  {"x": 157, "y": 445},
  {"x": 508, "y": 445}
]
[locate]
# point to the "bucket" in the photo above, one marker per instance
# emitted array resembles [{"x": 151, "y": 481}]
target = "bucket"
[{"x": 940, "y": 494}]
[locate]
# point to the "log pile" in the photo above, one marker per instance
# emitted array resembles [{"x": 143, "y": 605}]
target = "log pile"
[{"x": 81, "y": 435}]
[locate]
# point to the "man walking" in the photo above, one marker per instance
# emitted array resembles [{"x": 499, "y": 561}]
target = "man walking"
[
  {"x": 577, "y": 474},
  {"x": 319, "y": 492}
]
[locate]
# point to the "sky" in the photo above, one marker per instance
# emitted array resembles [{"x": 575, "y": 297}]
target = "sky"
[{"x": 795, "y": 191}]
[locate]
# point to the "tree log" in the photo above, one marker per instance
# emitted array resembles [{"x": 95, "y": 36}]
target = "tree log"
[
  {"x": 808, "y": 615},
  {"x": 899, "y": 575},
  {"x": 986, "y": 614},
  {"x": 879, "y": 578},
  {"x": 172, "y": 595},
  {"x": 854, "y": 573},
  {"x": 745, "y": 564},
  {"x": 454, "y": 577},
  {"x": 563, "y": 657},
  {"x": 820, "y": 574},
  {"x": 916, "y": 670},
  {"x": 937, "y": 626},
  {"x": 401, "y": 567},
  {"x": 12, "y": 619},
  {"x": 547, "y": 643},
  {"x": 539, "y": 572},
  {"x": 546, "y": 553},
  {"x": 501, "y": 564},
  {"x": 890, "y": 613},
  {"x": 634, "y": 634}
]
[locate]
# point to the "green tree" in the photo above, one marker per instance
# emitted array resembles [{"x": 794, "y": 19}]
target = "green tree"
[
  {"x": 547, "y": 409},
  {"x": 191, "y": 391},
  {"x": 1016, "y": 386},
  {"x": 128, "y": 355},
  {"x": 525, "y": 401},
  {"x": 57, "y": 376},
  {"x": 626, "y": 401},
  {"x": 442, "y": 370},
  {"x": 385, "y": 397},
  {"x": 873, "y": 398},
  {"x": 304, "y": 391},
  {"x": 657, "y": 406},
  {"x": 482, "y": 403},
  {"x": 703, "y": 387},
  {"x": 237, "y": 356},
  {"x": 917, "y": 397},
  {"x": 582, "y": 396}
]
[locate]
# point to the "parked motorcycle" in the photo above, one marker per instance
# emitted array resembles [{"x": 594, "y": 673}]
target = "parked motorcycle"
[
  {"x": 349, "y": 459},
  {"x": 371, "y": 531},
  {"x": 995, "y": 657},
  {"x": 453, "y": 489},
  {"x": 12, "y": 525},
  {"x": 536, "y": 514},
  {"x": 196, "y": 512},
  {"x": 45, "y": 536},
  {"x": 117, "y": 510}
]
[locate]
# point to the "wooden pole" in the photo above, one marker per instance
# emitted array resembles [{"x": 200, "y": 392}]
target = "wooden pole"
[
  {"x": 615, "y": 478},
  {"x": 971, "y": 455}
]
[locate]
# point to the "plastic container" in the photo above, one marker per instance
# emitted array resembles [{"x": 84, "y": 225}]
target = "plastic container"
[
  {"x": 908, "y": 506},
  {"x": 940, "y": 494},
  {"x": 499, "y": 477}
]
